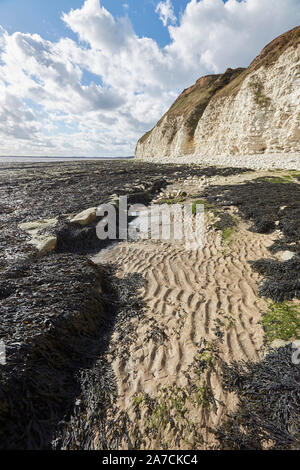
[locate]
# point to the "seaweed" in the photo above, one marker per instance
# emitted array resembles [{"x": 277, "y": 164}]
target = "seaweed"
[
  {"x": 281, "y": 321},
  {"x": 269, "y": 207},
  {"x": 281, "y": 280},
  {"x": 268, "y": 411},
  {"x": 56, "y": 326}
]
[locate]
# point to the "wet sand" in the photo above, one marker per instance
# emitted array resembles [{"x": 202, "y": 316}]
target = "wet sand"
[{"x": 192, "y": 297}]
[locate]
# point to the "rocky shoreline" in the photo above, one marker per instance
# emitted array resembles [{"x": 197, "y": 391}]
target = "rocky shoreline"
[
  {"x": 288, "y": 161},
  {"x": 59, "y": 310}
]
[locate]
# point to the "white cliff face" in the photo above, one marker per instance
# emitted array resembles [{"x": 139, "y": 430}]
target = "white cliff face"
[
  {"x": 263, "y": 117},
  {"x": 166, "y": 139}
]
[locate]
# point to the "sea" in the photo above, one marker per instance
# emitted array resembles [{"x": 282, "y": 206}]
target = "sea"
[{"x": 57, "y": 159}]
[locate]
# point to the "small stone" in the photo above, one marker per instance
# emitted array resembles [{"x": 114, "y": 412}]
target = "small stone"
[
  {"x": 287, "y": 255},
  {"x": 278, "y": 343}
]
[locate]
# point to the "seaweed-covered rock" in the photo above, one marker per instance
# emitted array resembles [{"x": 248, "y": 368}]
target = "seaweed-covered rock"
[
  {"x": 85, "y": 217},
  {"x": 282, "y": 279},
  {"x": 264, "y": 226},
  {"x": 53, "y": 322},
  {"x": 75, "y": 238},
  {"x": 268, "y": 411}
]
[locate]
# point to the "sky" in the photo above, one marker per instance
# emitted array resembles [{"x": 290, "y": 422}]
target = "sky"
[{"x": 89, "y": 78}]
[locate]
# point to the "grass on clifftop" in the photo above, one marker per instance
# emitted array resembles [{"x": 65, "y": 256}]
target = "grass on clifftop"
[
  {"x": 268, "y": 56},
  {"x": 193, "y": 101}
]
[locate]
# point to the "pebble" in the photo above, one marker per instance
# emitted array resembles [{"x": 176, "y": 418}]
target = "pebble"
[{"x": 287, "y": 255}]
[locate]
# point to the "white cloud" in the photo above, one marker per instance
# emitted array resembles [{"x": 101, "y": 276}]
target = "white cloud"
[
  {"x": 165, "y": 11},
  {"x": 96, "y": 26},
  {"x": 46, "y": 107},
  {"x": 217, "y": 35}
]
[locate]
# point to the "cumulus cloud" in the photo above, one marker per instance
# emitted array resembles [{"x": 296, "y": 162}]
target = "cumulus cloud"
[
  {"x": 47, "y": 105},
  {"x": 165, "y": 11},
  {"x": 96, "y": 26},
  {"x": 217, "y": 35}
]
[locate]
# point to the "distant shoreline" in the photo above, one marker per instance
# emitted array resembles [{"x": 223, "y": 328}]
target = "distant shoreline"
[{"x": 8, "y": 159}]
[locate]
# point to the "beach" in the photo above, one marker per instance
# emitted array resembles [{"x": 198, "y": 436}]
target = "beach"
[{"x": 123, "y": 344}]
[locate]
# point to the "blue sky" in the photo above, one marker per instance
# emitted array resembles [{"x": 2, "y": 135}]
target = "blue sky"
[
  {"x": 89, "y": 77},
  {"x": 43, "y": 17}
]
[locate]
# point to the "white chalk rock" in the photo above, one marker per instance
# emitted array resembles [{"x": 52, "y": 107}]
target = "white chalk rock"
[
  {"x": 279, "y": 343},
  {"x": 85, "y": 217},
  {"x": 37, "y": 225},
  {"x": 287, "y": 255},
  {"x": 45, "y": 244},
  {"x": 236, "y": 125}
]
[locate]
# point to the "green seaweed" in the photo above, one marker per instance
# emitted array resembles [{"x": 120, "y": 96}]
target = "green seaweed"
[
  {"x": 278, "y": 179},
  {"x": 204, "y": 203},
  {"x": 227, "y": 235},
  {"x": 202, "y": 397},
  {"x": 282, "y": 321}
]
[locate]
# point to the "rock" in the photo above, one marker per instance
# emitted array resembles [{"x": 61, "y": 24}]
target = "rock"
[
  {"x": 37, "y": 225},
  {"x": 157, "y": 185},
  {"x": 287, "y": 255},
  {"x": 45, "y": 244},
  {"x": 85, "y": 217},
  {"x": 279, "y": 343},
  {"x": 139, "y": 198},
  {"x": 276, "y": 344},
  {"x": 115, "y": 201}
]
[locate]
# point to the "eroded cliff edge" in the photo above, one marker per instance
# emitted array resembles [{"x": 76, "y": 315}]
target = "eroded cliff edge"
[{"x": 243, "y": 111}]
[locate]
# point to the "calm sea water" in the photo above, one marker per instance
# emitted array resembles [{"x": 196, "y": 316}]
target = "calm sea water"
[{"x": 57, "y": 159}]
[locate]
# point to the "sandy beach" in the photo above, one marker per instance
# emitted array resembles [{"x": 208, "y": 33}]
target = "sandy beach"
[
  {"x": 189, "y": 296},
  {"x": 205, "y": 304},
  {"x": 155, "y": 322}
]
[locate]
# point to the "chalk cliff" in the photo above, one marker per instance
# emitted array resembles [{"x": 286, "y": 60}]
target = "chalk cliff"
[{"x": 243, "y": 111}]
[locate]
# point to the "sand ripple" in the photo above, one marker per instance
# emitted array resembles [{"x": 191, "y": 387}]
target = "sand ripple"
[{"x": 188, "y": 294}]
